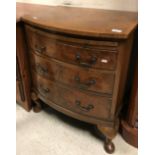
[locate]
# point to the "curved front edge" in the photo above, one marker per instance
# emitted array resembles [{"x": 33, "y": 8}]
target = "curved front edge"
[{"x": 76, "y": 115}]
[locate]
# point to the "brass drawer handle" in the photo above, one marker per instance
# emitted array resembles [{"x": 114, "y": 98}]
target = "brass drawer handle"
[
  {"x": 41, "y": 70},
  {"x": 40, "y": 49},
  {"x": 92, "y": 61},
  {"x": 88, "y": 108},
  {"x": 44, "y": 89},
  {"x": 84, "y": 84}
]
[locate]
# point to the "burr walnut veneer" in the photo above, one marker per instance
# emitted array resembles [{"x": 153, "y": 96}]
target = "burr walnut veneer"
[{"x": 78, "y": 60}]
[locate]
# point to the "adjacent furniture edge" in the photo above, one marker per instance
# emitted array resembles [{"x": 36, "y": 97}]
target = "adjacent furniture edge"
[
  {"x": 22, "y": 71},
  {"x": 129, "y": 114}
]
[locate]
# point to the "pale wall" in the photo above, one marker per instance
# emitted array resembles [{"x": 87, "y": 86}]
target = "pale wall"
[{"x": 127, "y": 5}]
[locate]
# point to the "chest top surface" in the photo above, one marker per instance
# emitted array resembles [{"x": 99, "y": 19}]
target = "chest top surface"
[{"x": 78, "y": 21}]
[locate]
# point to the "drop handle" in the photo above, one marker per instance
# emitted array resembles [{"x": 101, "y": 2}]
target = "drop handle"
[
  {"x": 40, "y": 49},
  {"x": 87, "y": 108},
  {"x": 85, "y": 84},
  {"x": 91, "y": 62},
  {"x": 45, "y": 90},
  {"x": 41, "y": 70}
]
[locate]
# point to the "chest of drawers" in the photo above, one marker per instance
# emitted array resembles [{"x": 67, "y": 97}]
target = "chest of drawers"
[{"x": 79, "y": 64}]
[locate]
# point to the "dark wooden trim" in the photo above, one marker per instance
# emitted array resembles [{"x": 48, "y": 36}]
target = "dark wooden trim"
[{"x": 23, "y": 78}]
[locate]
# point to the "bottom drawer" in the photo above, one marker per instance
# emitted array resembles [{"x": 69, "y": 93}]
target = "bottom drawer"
[{"x": 74, "y": 100}]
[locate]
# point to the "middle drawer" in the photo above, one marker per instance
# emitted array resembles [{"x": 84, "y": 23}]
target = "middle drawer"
[{"x": 74, "y": 76}]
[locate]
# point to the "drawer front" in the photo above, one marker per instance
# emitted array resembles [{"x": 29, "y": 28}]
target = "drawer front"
[
  {"x": 73, "y": 76},
  {"x": 79, "y": 52},
  {"x": 72, "y": 99}
]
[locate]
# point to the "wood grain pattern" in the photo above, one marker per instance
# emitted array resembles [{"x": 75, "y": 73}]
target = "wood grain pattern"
[
  {"x": 79, "y": 61},
  {"x": 129, "y": 119},
  {"x": 121, "y": 47},
  {"x": 95, "y": 54},
  {"x": 88, "y": 79},
  {"x": 22, "y": 71},
  {"x": 74, "y": 100},
  {"x": 79, "y": 21}
]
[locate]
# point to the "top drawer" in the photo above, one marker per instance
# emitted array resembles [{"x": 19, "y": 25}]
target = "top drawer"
[{"x": 87, "y": 53}]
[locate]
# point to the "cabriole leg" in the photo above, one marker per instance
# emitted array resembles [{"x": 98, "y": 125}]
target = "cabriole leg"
[{"x": 109, "y": 134}]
